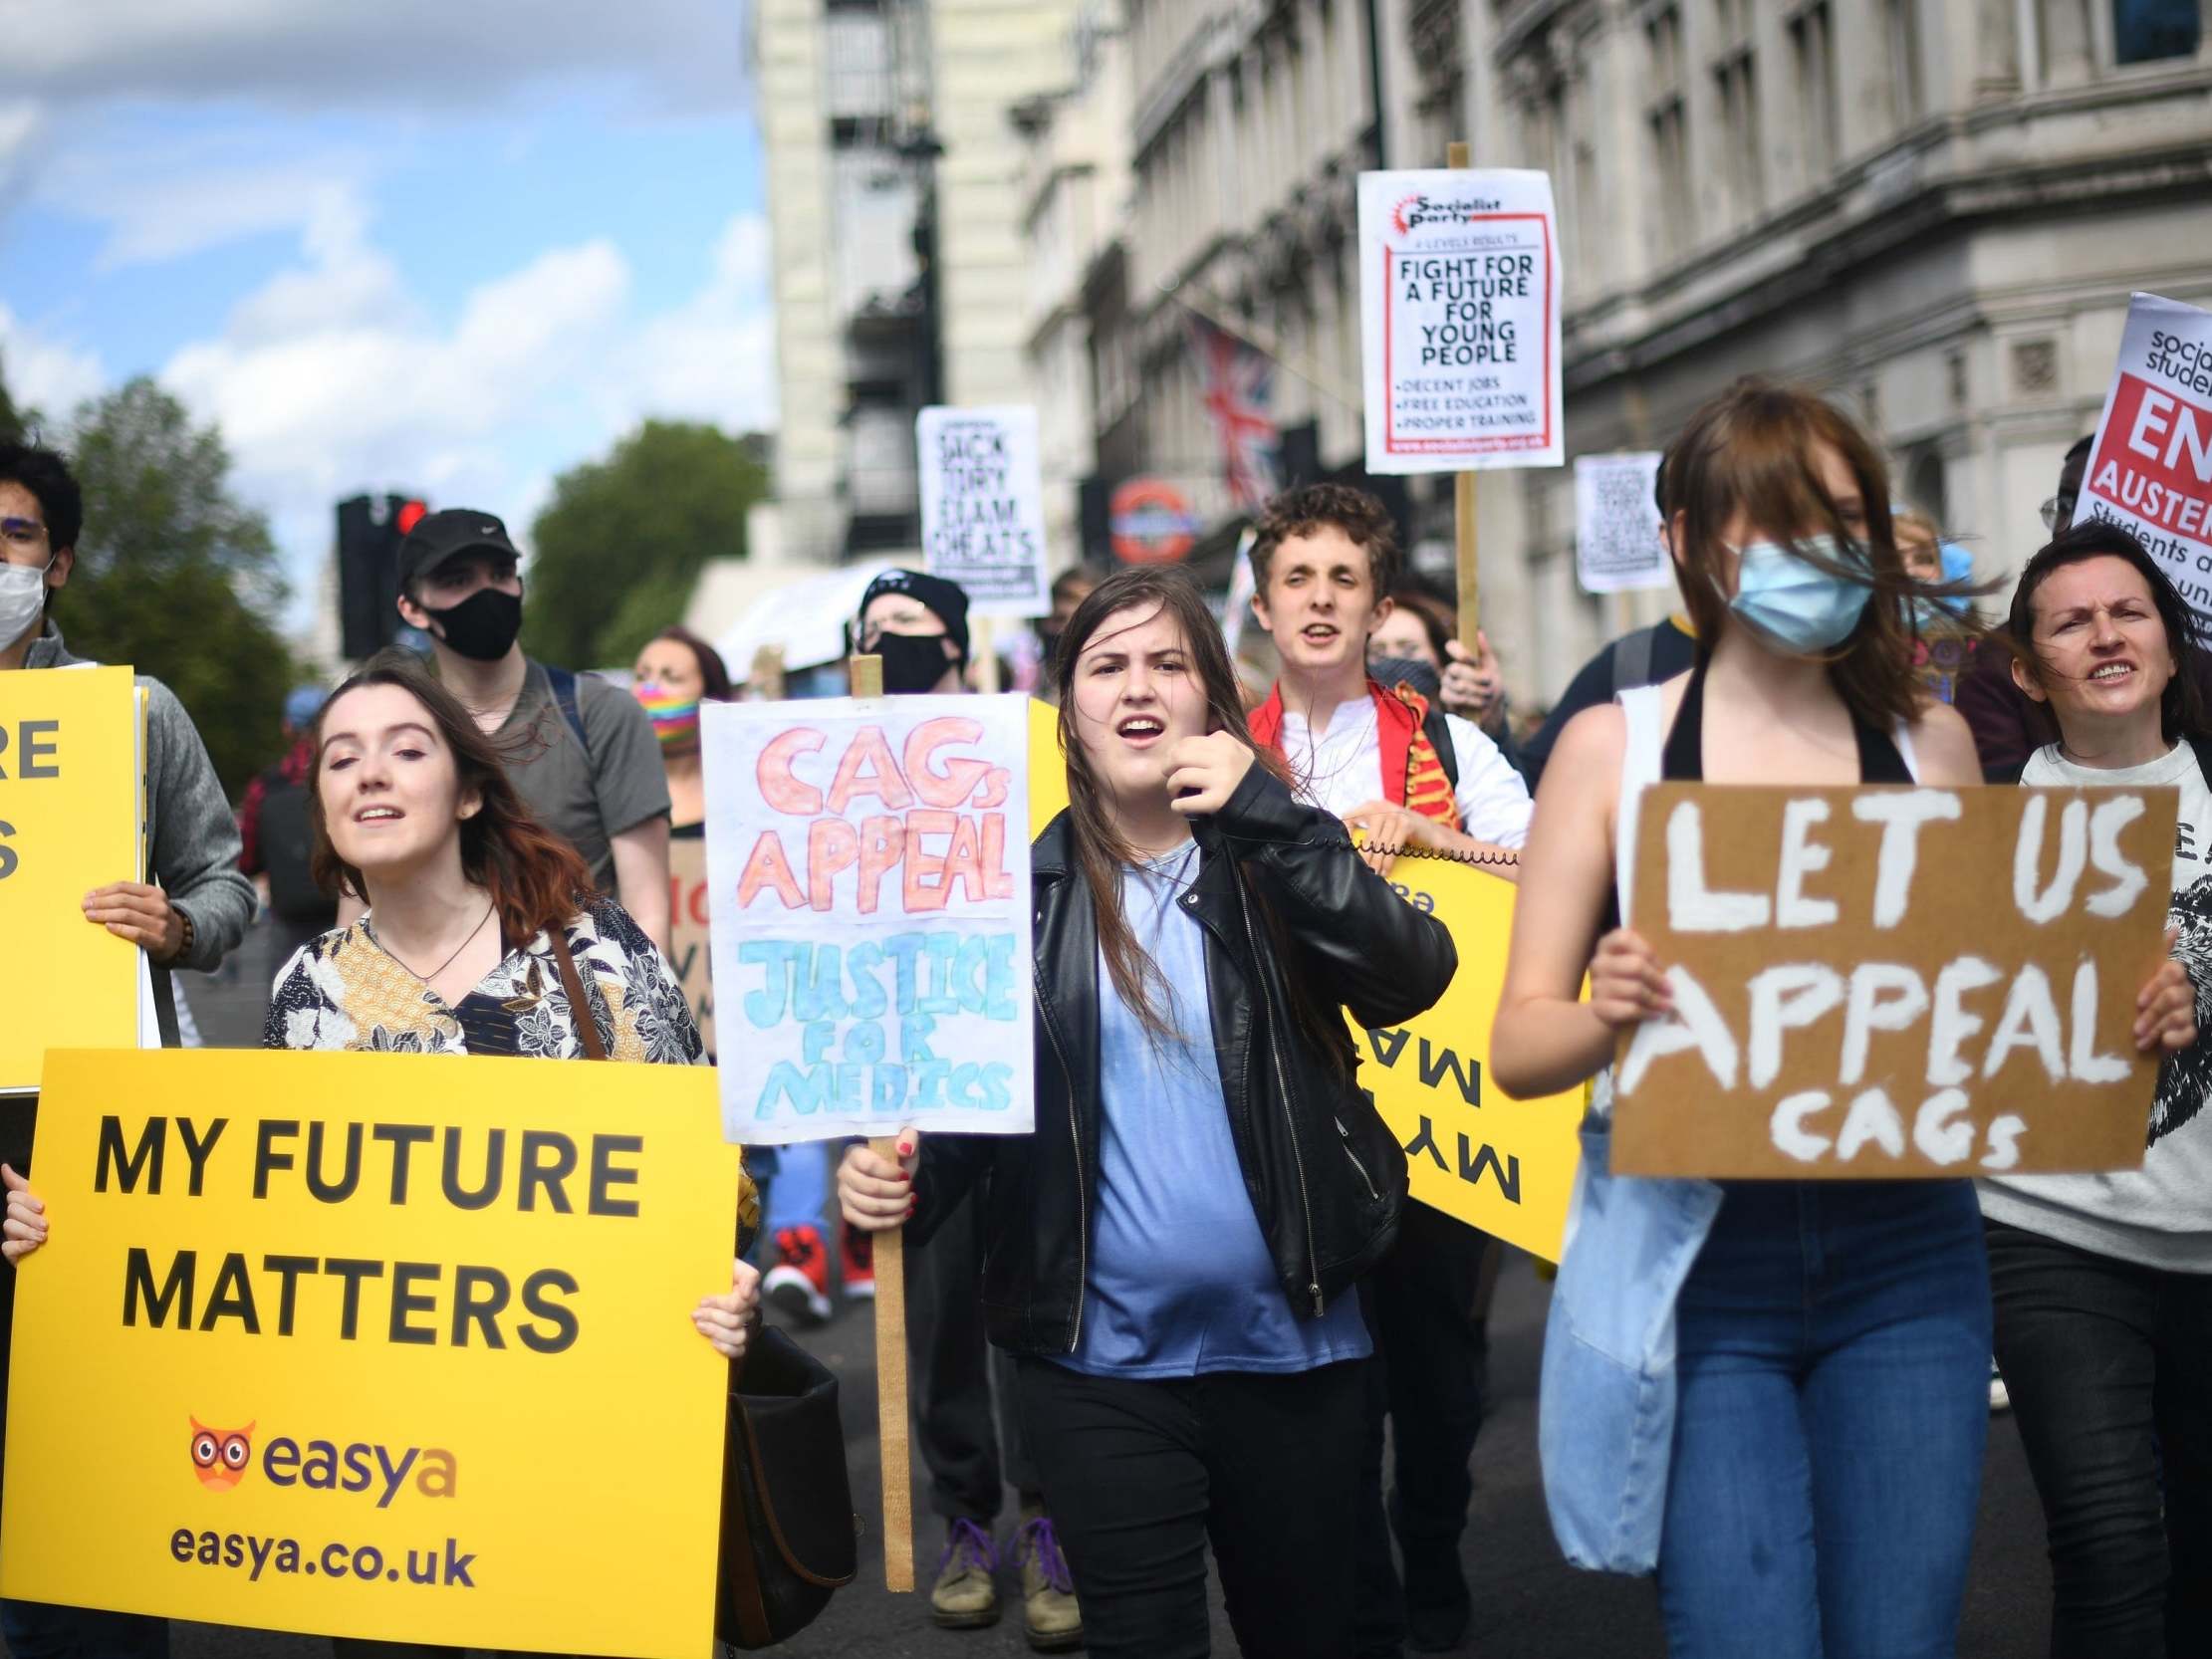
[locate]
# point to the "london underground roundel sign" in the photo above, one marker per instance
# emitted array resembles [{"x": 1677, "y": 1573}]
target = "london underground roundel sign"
[{"x": 1151, "y": 522}]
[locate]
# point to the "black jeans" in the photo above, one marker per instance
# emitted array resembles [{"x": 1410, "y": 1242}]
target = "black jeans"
[
  {"x": 1429, "y": 1350},
  {"x": 1141, "y": 1475},
  {"x": 953, "y": 1370},
  {"x": 2109, "y": 1367}
]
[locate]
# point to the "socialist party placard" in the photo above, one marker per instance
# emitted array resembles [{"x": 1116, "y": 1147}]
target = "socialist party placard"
[
  {"x": 867, "y": 880},
  {"x": 2150, "y": 468},
  {"x": 1459, "y": 295},
  {"x": 982, "y": 507}
]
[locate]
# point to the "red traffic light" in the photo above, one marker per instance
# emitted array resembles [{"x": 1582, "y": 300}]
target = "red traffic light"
[{"x": 409, "y": 514}]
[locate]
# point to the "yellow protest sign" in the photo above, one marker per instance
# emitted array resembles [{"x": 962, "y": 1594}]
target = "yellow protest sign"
[
  {"x": 1505, "y": 1166},
  {"x": 688, "y": 931},
  {"x": 1048, "y": 770},
  {"x": 69, "y": 823},
  {"x": 382, "y": 1345}
]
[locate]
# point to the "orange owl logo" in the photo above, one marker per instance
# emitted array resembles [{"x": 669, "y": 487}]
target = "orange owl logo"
[{"x": 221, "y": 1457}]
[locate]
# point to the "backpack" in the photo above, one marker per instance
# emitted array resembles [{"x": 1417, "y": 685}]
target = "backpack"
[
  {"x": 287, "y": 846},
  {"x": 1439, "y": 737},
  {"x": 564, "y": 696}
]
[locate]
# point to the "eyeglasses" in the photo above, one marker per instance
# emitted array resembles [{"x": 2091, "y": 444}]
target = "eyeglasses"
[
  {"x": 2054, "y": 507},
  {"x": 22, "y": 533}
]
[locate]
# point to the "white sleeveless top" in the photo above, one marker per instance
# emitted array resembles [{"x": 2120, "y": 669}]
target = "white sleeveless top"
[{"x": 1642, "y": 759}]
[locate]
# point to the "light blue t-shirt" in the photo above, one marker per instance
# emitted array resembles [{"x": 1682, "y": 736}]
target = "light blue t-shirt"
[{"x": 1180, "y": 1280}]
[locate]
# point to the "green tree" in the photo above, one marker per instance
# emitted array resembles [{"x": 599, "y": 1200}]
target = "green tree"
[
  {"x": 175, "y": 575},
  {"x": 615, "y": 555}
]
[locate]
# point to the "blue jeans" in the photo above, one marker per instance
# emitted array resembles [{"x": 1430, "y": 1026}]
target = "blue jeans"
[
  {"x": 1834, "y": 1364},
  {"x": 799, "y": 1192},
  {"x": 41, "y": 1630}
]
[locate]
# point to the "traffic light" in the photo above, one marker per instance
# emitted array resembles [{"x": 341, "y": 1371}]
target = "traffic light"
[{"x": 369, "y": 531}]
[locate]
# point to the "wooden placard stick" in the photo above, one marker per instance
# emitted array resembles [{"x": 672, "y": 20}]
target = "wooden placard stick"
[
  {"x": 893, "y": 1447},
  {"x": 1463, "y": 502},
  {"x": 768, "y": 672},
  {"x": 985, "y": 649}
]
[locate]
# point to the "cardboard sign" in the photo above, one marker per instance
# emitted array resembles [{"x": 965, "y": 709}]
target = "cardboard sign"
[
  {"x": 70, "y": 803},
  {"x": 1459, "y": 297},
  {"x": 983, "y": 506},
  {"x": 688, "y": 932},
  {"x": 1616, "y": 523},
  {"x": 382, "y": 1345},
  {"x": 1875, "y": 982},
  {"x": 2151, "y": 467},
  {"x": 870, "y": 884},
  {"x": 1505, "y": 1166}
]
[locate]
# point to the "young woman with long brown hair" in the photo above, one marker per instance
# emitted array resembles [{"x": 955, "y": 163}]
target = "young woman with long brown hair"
[
  {"x": 1772, "y": 1392},
  {"x": 477, "y": 919},
  {"x": 1171, "y": 1252}
]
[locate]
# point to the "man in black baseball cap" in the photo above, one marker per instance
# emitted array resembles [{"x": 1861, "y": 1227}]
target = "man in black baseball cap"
[
  {"x": 918, "y": 625},
  {"x": 583, "y": 752}
]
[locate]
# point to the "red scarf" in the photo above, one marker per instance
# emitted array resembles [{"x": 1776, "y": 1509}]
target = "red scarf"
[{"x": 1413, "y": 776}]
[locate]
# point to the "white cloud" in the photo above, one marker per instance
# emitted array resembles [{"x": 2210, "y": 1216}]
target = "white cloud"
[
  {"x": 329, "y": 380},
  {"x": 438, "y": 53},
  {"x": 48, "y": 374}
]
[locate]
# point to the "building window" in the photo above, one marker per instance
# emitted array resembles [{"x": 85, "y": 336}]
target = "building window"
[
  {"x": 1902, "y": 24},
  {"x": 1812, "y": 49},
  {"x": 1736, "y": 97},
  {"x": 1663, "y": 120},
  {"x": 2147, "y": 31}
]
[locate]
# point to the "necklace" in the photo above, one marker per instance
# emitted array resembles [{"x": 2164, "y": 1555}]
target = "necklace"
[{"x": 449, "y": 961}]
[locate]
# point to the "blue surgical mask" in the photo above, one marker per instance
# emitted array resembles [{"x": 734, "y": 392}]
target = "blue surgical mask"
[{"x": 1794, "y": 606}]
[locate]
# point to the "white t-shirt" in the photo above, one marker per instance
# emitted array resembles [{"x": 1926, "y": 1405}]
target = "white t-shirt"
[
  {"x": 1343, "y": 771},
  {"x": 2159, "y": 1216}
]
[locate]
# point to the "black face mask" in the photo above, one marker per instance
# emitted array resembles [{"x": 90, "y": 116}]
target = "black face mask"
[
  {"x": 1387, "y": 671},
  {"x": 482, "y": 626},
  {"x": 913, "y": 663}
]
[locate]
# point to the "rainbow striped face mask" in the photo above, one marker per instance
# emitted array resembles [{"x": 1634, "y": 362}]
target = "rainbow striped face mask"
[{"x": 676, "y": 717}]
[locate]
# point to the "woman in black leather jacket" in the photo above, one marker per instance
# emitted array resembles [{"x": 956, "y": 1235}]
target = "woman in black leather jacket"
[{"x": 1170, "y": 1252}]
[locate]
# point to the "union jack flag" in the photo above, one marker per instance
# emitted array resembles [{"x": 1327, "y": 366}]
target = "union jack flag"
[{"x": 1236, "y": 383}]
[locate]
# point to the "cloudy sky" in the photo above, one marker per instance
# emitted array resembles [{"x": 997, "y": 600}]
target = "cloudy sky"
[{"x": 447, "y": 246}]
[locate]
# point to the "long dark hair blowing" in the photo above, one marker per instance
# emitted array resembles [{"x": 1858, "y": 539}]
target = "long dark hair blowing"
[
  {"x": 714, "y": 674},
  {"x": 1102, "y": 849},
  {"x": 1751, "y": 449},
  {"x": 534, "y": 878},
  {"x": 2181, "y": 711}
]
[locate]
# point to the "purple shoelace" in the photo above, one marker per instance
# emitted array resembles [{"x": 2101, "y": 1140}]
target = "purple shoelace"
[
  {"x": 1051, "y": 1562},
  {"x": 971, "y": 1544}
]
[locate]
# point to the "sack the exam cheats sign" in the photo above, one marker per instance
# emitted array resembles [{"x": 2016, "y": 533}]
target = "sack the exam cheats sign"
[
  {"x": 69, "y": 823},
  {"x": 379, "y": 1346},
  {"x": 1893, "y": 982},
  {"x": 983, "y": 506},
  {"x": 869, "y": 874}
]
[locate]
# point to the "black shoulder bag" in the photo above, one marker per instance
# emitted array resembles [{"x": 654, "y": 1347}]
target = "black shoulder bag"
[{"x": 789, "y": 1533}]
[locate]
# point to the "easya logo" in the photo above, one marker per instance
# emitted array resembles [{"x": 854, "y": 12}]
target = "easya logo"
[{"x": 222, "y": 1458}]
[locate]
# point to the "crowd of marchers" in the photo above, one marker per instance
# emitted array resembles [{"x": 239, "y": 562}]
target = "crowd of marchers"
[{"x": 1179, "y": 1317}]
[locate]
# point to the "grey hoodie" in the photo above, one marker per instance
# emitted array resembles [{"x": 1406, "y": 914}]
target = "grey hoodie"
[{"x": 195, "y": 839}]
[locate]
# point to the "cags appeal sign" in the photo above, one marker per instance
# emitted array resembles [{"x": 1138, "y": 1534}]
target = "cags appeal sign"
[
  {"x": 1893, "y": 982},
  {"x": 1459, "y": 288},
  {"x": 868, "y": 869}
]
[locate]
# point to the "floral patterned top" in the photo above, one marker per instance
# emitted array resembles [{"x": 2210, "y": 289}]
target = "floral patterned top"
[{"x": 345, "y": 991}]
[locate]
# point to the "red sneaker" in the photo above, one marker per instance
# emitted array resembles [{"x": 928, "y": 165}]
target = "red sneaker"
[
  {"x": 856, "y": 1262},
  {"x": 799, "y": 1283}
]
